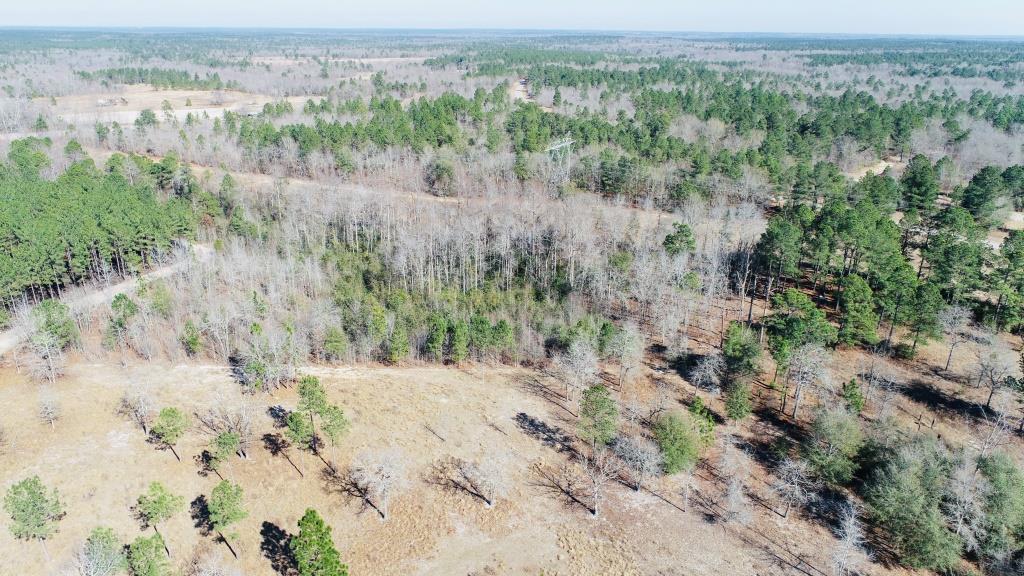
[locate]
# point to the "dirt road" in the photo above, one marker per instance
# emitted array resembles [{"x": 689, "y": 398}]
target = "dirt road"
[{"x": 10, "y": 339}]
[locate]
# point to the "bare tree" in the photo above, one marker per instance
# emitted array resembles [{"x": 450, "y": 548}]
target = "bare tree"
[
  {"x": 849, "y": 555},
  {"x": 953, "y": 320},
  {"x": 485, "y": 478},
  {"x": 735, "y": 467},
  {"x": 707, "y": 373},
  {"x": 794, "y": 484},
  {"x": 964, "y": 504},
  {"x": 380, "y": 474},
  {"x": 808, "y": 368},
  {"x": 687, "y": 477},
  {"x": 996, "y": 432},
  {"x": 232, "y": 414},
  {"x": 137, "y": 404},
  {"x": 994, "y": 368},
  {"x": 577, "y": 367},
  {"x": 46, "y": 360},
  {"x": 628, "y": 349},
  {"x": 49, "y": 406},
  {"x": 640, "y": 456},
  {"x": 99, "y": 557},
  {"x": 600, "y": 468}
]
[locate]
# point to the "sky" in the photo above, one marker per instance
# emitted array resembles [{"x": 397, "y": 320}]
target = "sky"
[{"x": 929, "y": 17}]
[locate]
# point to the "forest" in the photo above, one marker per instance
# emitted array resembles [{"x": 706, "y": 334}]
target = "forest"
[{"x": 429, "y": 290}]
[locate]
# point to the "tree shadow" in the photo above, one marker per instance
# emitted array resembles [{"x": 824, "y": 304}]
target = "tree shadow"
[
  {"x": 275, "y": 547},
  {"x": 447, "y": 474},
  {"x": 938, "y": 401},
  {"x": 564, "y": 485},
  {"x": 199, "y": 510},
  {"x": 346, "y": 485},
  {"x": 278, "y": 445},
  {"x": 539, "y": 388},
  {"x": 204, "y": 460},
  {"x": 684, "y": 363},
  {"x": 550, "y": 436},
  {"x": 279, "y": 414}
]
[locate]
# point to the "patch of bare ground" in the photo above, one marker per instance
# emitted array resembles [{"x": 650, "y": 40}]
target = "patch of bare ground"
[
  {"x": 101, "y": 462},
  {"x": 125, "y": 105}
]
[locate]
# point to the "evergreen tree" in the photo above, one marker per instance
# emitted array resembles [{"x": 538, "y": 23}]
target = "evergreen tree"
[
  {"x": 920, "y": 185},
  {"x": 858, "y": 316},
  {"x": 314, "y": 550},
  {"x": 33, "y": 509},
  {"x": 598, "y": 415},
  {"x": 169, "y": 427},
  {"x": 146, "y": 557}
]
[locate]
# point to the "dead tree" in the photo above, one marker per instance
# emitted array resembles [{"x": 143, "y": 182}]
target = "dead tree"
[
  {"x": 849, "y": 555},
  {"x": 640, "y": 456},
  {"x": 577, "y": 368},
  {"x": 793, "y": 484},
  {"x": 953, "y": 320},
  {"x": 379, "y": 474},
  {"x": 49, "y": 406},
  {"x": 600, "y": 468},
  {"x": 137, "y": 405}
]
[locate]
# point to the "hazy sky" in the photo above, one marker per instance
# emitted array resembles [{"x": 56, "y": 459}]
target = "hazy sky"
[{"x": 967, "y": 17}]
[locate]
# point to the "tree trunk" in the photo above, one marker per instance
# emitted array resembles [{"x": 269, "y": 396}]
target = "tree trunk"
[{"x": 228, "y": 544}]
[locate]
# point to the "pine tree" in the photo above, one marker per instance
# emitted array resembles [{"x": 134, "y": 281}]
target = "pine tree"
[
  {"x": 226, "y": 509},
  {"x": 858, "y": 315},
  {"x": 169, "y": 427},
  {"x": 598, "y": 415},
  {"x": 34, "y": 510},
  {"x": 313, "y": 549}
]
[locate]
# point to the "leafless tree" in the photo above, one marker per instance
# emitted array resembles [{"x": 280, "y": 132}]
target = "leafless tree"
[
  {"x": 964, "y": 504},
  {"x": 97, "y": 561},
  {"x": 628, "y": 349},
  {"x": 380, "y": 473},
  {"x": 49, "y": 406},
  {"x": 794, "y": 484},
  {"x": 996, "y": 432},
  {"x": 849, "y": 555},
  {"x": 577, "y": 367},
  {"x": 735, "y": 468},
  {"x": 954, "y": 320},
  {"x": 995, "y": 366},
  {"x": 46, "y": 360},
  {"x": 232, "y": 414},
  {"x": 640, "y": 456},
  {"x": 600, "y": 468},
  {"x": 808, "y": 368},
  {"x": 137, "y": 404},
  {"x": 707, "y": 373},
  {"x": 687, "y": 478},
  {"x": 485, "y": 478}
]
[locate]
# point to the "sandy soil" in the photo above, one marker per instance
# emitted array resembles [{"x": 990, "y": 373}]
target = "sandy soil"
[
  {"x": 124, "y": 106},
  {"x": 101, "y": 463},
  {"x": 876, "y": 168},
  {"x": 520, "y": 93}
]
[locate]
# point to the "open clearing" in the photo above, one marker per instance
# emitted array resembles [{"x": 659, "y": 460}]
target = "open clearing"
[
  {"x": 101, "y": 462},
  {"x": 124, "y": 105}
]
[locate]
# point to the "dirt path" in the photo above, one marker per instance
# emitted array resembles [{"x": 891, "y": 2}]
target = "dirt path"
[
  {"x": 875, "y": 168},
  {"x": 10, "y": 339}
]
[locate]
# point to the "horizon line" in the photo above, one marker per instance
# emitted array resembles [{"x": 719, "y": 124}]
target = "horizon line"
[{"x": 464, "y": 29}]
